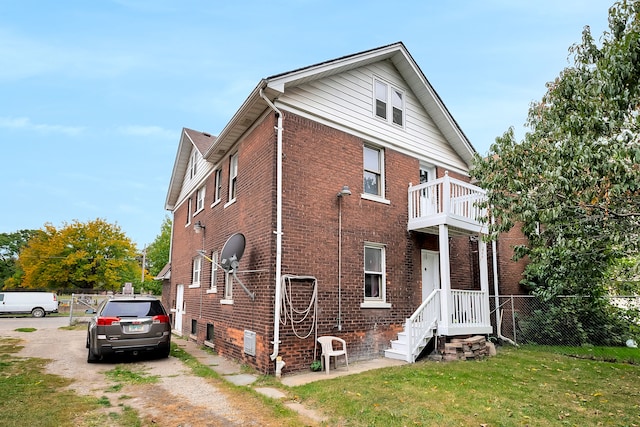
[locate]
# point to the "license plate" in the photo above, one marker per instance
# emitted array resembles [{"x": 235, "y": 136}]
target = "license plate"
[{"x": 135, "y": 328}]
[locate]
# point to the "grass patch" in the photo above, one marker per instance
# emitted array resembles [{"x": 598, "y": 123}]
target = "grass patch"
[
  {"x": 607, "y": 354},
  {"x": 532, "y": 387},
  {"x": 31, "y": 397},
  {"x": 25, "y": 329},
  {"x": 123, "y": 375}
]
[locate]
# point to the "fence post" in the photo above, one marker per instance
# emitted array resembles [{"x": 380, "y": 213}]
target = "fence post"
[
  {"x": 513, "y": 321},
  {"x": 71, "y": 309}
]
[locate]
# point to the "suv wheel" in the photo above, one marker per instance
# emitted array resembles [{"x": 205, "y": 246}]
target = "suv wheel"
[
  {"x": 163, "y": 353},
  {"x": 91, "y": 356}
]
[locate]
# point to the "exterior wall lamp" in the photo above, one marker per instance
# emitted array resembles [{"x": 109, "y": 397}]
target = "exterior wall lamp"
[
  {"x": 198, "y": 227},
  {"x": 345, "y": 191}
]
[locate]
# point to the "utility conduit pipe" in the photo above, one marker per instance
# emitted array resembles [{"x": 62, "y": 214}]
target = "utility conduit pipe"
[{"x": 278, "y": 232}]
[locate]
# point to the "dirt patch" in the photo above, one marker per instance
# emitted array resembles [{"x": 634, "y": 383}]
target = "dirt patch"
[{"x": 178, "y": 398}]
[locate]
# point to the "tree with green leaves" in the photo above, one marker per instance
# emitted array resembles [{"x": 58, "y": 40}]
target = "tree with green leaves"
[
  {"x": 158, "y": 251},
  {"x": 157, "y": 256},
  {"x": 93, "y": 255},
  {"x": 10, "y": 246},
  {"x": 573, "y": 182}
]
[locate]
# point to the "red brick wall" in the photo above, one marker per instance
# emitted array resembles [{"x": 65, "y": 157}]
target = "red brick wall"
[
  {"x": 510, "y": 271},
  {"x": 317, "y": 162},
  {"x": 253, "y": 215}
]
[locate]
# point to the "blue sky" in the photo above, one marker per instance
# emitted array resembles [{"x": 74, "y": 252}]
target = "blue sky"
[{"x": 93, "y": 94}]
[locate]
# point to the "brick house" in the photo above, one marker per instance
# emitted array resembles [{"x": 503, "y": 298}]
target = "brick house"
[{"x": 348, "y": 181}]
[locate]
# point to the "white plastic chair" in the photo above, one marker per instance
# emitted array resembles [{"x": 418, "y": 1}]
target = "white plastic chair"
[{"x": 328, "y": 351}]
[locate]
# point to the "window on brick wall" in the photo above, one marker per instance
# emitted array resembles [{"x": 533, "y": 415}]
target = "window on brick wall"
[
  {"x": 196, "y": 272},
  {"x": 200, "y": 199},
  {"x": 233, "y": 177},
  {"x": 373, "y": 174},
  {"x": 214, "y": 273},
  {"x": 217, "y": 194},
  {"x": 189, "y": 207},
  {"x": 209, "y": 333},
  {"x": 194, "y": 327},
  {"x": 228, "y": 289},
  {"x": 374, "y": 276}
]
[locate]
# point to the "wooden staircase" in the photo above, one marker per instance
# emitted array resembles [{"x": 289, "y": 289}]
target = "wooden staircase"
[{"x": 419, "y": 329}]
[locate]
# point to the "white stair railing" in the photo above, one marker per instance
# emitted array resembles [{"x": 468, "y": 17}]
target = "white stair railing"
[{"x": 421, "y": 324}]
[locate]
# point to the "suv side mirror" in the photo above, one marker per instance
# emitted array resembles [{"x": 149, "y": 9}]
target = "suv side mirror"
[{"x": 90, "y": 311}]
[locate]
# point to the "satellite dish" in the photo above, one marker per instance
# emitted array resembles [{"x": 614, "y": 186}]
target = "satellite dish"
[
  {"x": 232, "y": 252},
  {"x": 230, "y": 258}
]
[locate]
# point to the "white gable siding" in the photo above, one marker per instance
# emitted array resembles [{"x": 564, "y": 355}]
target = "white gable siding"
[
  {"x": 191, "y": 184},
  {"x": 346, "y": 100}
]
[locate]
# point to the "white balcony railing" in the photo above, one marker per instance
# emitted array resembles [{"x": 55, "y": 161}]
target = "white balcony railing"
[
  {"x": 449, "y": 201},
  {"x": 468, "y": 308}
]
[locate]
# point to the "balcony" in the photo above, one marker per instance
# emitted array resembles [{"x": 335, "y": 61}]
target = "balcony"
[{"x": 446, "y": 201}]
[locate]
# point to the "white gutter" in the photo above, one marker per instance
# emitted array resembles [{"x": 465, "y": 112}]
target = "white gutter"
[{"x": 278, "y": 232}]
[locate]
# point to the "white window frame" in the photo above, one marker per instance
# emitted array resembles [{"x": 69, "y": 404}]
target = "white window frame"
[
  {"x": 233, "y": 178},
  {"x": 218, "y": 187},
  {"x": 196, "y": 272},
  {"x": 189, "y": 205},
  {"x": 381, "y": 300},
  {"x": 213, "y": 287},
  {"x": 200, "y": 198},
  {"x": 193, "y": 164},
  {"x": 228, "y": 289},
  {"x": 387, "y": 94},
  {"x": 380, "y": 197}
]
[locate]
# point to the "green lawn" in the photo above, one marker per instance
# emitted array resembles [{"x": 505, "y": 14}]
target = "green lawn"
[
  {"x": 527, "y": 386},
  {"x": 519, "y": 387}
]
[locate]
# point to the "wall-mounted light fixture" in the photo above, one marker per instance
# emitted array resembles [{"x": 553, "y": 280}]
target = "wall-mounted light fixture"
[
  {"x": 198, "y": 227},
  {"x": 345, "y": 191}
]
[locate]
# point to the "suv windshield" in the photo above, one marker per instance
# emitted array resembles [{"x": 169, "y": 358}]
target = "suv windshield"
[{"x": 132, "y": 309}]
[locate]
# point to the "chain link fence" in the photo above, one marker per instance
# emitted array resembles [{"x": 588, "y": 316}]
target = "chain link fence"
[
  {"x": 567, "y": 320},
  {"x": 75, "y": 305}
]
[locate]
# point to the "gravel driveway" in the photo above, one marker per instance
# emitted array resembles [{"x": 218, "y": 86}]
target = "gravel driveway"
[{"x": 178, "y": 399}]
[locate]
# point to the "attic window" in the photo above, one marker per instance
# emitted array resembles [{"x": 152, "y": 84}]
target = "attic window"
[
  {"x": 383, "y": 108},
  {"x": 193, "y": 164}
]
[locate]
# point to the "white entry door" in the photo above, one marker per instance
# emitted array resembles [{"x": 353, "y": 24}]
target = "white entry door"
[
  {"x": 430, "y": 272},
  {"x": 179, "y": 310}
]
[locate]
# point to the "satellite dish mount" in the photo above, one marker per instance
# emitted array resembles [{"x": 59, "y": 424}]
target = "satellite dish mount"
[{"x": 230, "y": 258}]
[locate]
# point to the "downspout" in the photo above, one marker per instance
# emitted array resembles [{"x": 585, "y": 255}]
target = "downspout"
[
  {"x": 496, "y": 290},
  {"x": 278, "y": 232}
]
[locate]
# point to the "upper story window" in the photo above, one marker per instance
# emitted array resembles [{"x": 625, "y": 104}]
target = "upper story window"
[
  {"x": 196, "y": 271},
  {"x": 189, "y": 206},
  {"x": 373, "y": 171},
  {"x": 200, "y": 199},
  {"x": 233, "y": 176},
  {"x": 389, "y": 103},
  {"x": 193, "y": 164},
  {"x": 218, "y": 189}
]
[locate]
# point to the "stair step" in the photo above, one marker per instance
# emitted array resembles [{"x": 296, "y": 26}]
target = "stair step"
[
  {"x": 395, "y": 354},
  {"x": 399, "y": 346}
]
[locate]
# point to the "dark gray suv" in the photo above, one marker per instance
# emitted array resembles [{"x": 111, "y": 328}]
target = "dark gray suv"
[{"x": 132, "y": 324}]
